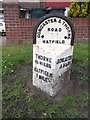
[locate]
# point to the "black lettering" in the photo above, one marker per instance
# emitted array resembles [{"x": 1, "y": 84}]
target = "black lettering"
[
  {"x": 41, "y": 71},
  {"x": 47, "y": 41},
  {"x": 35, "y": 69},
  {"x": 36, "y": 75},
  {"x": 52, "y": 29},
  {"x": 43, "y": 63},
  {"x": 40, "y": 77},
  {"x": 56, "y": 41},
  {"x": 40, "y": 63},
  {"x": 38, "y": 34},
  {"x": 43, "y": 25},
  {"x": 56, "y": 30},
  {"x": 49, "y": 65},
  {"x": 50, "y": 75},
  {"x": 46, "y": 59},
  {"x": 66, "y": 25},
  {"x": 60, "y": 29},
  {"x": 36, "y": 55},
  {"x": 59, "y": 21},
  {"x": 59, "y": 42},
  {"x": 55, "y": 20},
  {"x": 60, "y": 60},
  {"x": 64, "y": 65},
  {"x": 63, "y": 23},
  {"x": 48, "y": 29},
  {"x": 46, "y": 79},
  {"x": 49, "y": 21},
  {"x": 46, "y": 22},
  {"x": 52, "y": 21},
  {"x": 50, "y": 60},
  {"x": 52, "y": 41},
  {"x": 39, "y": 29},
  {"x": 46, "y": 73},
  {"x": 64, "y": 59},
  {"x": 40, "y": 57},
  {"x": 60, "y": 66},
  {"x": 63, "y": 41},
  {"x": 36, "y": 61},
  {"x": 43, "y": 58},
  {"x": 43, "y": 41},
  {"x": 43, "y": 78}
]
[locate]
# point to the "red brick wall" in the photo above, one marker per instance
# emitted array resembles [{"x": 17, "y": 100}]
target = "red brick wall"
[
  {"x": 26, "y": 29},
  {"x": 82, "y": 28},
  {"x": 12, "y": 22},
  {"x": 56, "y": 4},
  {"x": 19, "y": 30}
]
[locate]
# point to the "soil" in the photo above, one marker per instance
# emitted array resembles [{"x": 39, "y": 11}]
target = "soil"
[{"x": 24, "y": 72}]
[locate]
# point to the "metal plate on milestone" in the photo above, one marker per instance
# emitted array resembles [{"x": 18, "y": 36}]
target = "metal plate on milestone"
[{"x": 54, "y": 29}]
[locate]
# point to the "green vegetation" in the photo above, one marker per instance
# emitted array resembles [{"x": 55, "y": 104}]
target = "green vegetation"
[
  {"x": 81, "y": 52},
  {"x": 21, "y": 101},
  {"x": 69, "y": 107},
  {"x": 79, "y": 9},
  {"x": 15, "y": 55},
  {"x": 80, "y": 60}
]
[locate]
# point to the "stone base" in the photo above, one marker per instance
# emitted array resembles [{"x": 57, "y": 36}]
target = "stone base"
[
  {"x": 51, "y": 70},
  {"x": 52, "y": 88},
  {"x": 62, "y": 82}
]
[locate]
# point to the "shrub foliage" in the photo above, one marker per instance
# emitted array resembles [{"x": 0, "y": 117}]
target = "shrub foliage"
[{"x": 79, "y": 9}]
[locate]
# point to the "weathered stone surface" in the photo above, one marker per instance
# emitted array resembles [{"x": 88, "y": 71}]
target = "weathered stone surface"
[{"x": 51, "y": 67}]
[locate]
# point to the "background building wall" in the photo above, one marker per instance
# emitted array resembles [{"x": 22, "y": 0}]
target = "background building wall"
[
  {"x": 82, "y": 29},
  {"x": 20, "y": 30}
]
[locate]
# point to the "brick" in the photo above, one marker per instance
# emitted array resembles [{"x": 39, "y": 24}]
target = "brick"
[{"x": 21, "y": 30}]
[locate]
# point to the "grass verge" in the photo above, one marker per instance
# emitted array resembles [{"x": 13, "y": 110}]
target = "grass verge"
[
  {"x": 20, "y": 102},
  {"x": 15, "y": 55}
]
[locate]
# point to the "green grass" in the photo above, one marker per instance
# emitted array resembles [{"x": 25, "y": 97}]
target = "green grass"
[
  {"x": 14, "y": 98},
  {"x": 80, "y": 60},
  {"x": 81, "y": 52},
  {"x": 15, "y": 55},
  {"x": 18, "y": 103},
  {"x": 69, "y": 107}
]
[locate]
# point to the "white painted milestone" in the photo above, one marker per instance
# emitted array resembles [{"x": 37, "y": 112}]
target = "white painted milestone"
[
  {"x": 49, "y": 64},
  {"x": 52, "y": 53}
]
